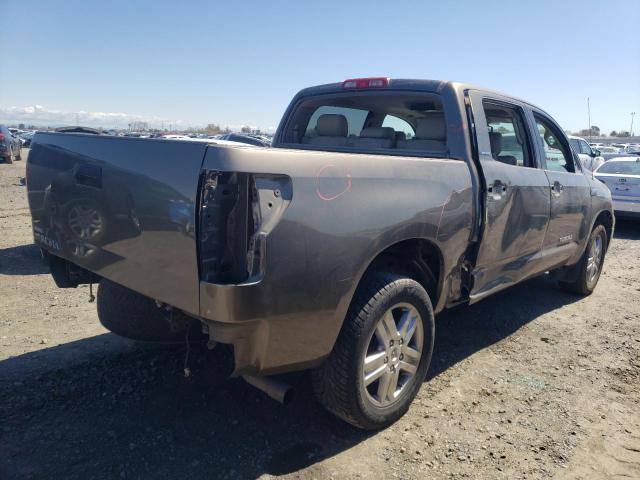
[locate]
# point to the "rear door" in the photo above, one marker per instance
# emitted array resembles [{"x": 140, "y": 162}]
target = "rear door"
[
  {"x": 516, "y": 195},
  {"x": 570, "y": 192}
]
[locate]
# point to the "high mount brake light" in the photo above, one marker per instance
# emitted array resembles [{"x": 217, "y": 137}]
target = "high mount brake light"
[{"x": 373, "y": 82}]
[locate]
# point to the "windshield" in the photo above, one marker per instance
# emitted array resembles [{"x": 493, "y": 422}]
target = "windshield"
[{"x": 621, "y": 168}]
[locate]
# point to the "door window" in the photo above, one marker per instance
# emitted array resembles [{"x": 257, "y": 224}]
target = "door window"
[
  {"x": 585, "y": 148},
  {"x": 556, "y": 154},
  {"x": 507, "y": 134}
]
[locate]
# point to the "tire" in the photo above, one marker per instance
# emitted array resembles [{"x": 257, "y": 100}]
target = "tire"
[
  {"x": 19, "y": 155},
  {"x": 586, "y": 281},
  {"x": 339, "y": 383},
  {"x": 9, "y": 158},
  {"x": 131, "y": 315}
]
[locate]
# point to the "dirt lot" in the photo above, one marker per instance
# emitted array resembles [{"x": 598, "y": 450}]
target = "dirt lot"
[{"x": 532, "y": 383}]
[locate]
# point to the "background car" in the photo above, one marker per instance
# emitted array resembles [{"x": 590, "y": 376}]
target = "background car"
[
  {"x": 9, "y": 145},
  {"x": 26, "y": 138},
  {"x": 244, "y": 138},
  {"x": 622, "y": 176},
  {"x": 590, "y": 158}
]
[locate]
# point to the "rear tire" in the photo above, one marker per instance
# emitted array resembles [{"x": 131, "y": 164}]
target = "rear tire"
[
  {"x": 131, "y": 315},
  {"x": 349, "y": 383},
  {"x": 9, "y": 158},
  {"x": 19, "y": 155},
  {"x": 590, "y": 264}
]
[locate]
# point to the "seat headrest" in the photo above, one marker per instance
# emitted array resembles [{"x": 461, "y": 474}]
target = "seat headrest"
[
  {"x": 431, "y": 127},
  {"x": 332, "y": 125},
  {"x": 378, "y": 132},
  {"x": 495, "y": 138}
]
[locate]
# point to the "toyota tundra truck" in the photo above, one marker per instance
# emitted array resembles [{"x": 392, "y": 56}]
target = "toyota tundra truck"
[{"x": 381, "y": 203}]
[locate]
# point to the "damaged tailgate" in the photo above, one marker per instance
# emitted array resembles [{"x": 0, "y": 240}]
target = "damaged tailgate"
[{"x": 123, "y": 208}]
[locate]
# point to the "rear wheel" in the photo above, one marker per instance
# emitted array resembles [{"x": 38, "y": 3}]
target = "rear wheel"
[
  {"x": 590, "y": 265},
  {"x": 382, "y": 354},
  {"x": 19, "y": 154},
  {"x": 9, "y": 158}
]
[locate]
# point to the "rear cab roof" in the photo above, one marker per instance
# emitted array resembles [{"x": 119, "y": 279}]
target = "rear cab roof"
[{"x": 453, "y": 97}]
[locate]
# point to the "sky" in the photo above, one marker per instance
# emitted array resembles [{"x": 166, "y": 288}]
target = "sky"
[{"x": 107, "y": 63}]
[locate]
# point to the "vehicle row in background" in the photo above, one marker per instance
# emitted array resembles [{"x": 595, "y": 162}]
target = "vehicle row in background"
[
  {"x": 622, "y": 176},
  {"x": 10, "y": 145}
]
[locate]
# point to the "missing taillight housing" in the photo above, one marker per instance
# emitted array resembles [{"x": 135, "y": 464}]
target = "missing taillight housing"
[
  {"x": 224, "y": 226},
  {"x": 237, "y": 212}
]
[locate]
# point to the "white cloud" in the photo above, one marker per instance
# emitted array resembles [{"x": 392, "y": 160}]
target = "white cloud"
[{"x": 42, "y": 116}]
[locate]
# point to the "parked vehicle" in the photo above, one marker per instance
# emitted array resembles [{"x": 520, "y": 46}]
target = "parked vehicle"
[
  {"x": 589, "y": 157},
  {"x": 381, "y": 203},
  {"x": 26, "y": 138},
  {"x": 622, "y": 176},
  {"x": 248, "y": 139},
  {"x": 9, "y": 145}
]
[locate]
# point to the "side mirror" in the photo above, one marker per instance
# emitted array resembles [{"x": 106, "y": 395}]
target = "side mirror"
[{"x": 596, "y": 153}]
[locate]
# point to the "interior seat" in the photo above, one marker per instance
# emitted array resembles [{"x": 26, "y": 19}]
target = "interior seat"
[
  {"x": 431, "y": 134},
  {"x": 331, "y": 131},
  {"x": 376, "y": 137},
  {"x": 495, "y": 138}
]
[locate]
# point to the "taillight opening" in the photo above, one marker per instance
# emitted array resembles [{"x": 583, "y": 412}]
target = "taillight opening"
[{"x": 370, "y": 82}]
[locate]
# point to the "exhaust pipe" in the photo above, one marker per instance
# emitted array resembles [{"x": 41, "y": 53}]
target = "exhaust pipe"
[{"x": 279, "y": 391}]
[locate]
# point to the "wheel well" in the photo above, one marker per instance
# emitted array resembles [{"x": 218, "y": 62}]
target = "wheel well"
[
  {"x": 416, "y": 258},
  {"x": 605, "y": 219}
]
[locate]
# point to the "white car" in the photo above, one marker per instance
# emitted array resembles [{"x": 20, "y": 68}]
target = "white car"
[
  {"x": 589, "y": 157},
  {"x": 622, "y": 176}
]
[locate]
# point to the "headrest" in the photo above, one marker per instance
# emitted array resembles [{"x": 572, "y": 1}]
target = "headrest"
[
  {"x": 431, "y": 127},
  {"x": 495, "y": 138},
  {"x": 332, "y": 125},
  {"x": 378, "y": 132}
]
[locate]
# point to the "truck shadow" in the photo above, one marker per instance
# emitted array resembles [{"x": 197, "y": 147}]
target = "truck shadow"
[
  {"x": 627, "y": 229},
  {"x": 22, "y": 260},
  {"x": 103, "y": 407}
]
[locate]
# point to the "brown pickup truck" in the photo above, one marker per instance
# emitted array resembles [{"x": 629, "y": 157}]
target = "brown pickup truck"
[{"x": 380, "y": 203}]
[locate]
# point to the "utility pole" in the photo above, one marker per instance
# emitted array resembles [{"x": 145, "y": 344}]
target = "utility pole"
[
  {"x": 589, "y": 116},
  {"x": 633, "y": 114}
]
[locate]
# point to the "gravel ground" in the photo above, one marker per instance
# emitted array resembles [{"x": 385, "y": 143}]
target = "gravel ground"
[{"x": 531, "y": 383}]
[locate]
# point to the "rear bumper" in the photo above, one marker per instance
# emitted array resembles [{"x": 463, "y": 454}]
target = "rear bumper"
[{"x": 274, "y": 328}]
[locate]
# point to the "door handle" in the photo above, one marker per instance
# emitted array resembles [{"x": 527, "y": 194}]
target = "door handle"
[
  {"x": 557, "y": 188},
  {"x": 497, "y": 189}
]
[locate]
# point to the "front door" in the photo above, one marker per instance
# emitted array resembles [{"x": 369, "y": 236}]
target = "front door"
[
  {"x": 516, "y": 195},
  {"x": 570, "y": 193}
]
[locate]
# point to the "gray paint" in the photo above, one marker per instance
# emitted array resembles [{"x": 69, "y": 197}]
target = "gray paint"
[{"x": 333, "y": 214}]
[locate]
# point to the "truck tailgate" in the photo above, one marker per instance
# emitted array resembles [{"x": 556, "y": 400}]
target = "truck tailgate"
[{"x": 124, "y": 208}]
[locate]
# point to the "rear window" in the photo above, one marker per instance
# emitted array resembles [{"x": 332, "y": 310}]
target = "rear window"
[
  {"x": 622, "y": 168},
  {"x": 388, "y": 122}
]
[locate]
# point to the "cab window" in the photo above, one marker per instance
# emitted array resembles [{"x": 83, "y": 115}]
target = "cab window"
[
  {"x": 399, "y": 125},
  {"x": 507, "y": 134},
  {"x": 385, "y": 122},
  {"x": 556, "y": 155}
]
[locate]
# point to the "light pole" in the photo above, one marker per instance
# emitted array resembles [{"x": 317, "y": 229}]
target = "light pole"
[{"x": 633, "y": 114}]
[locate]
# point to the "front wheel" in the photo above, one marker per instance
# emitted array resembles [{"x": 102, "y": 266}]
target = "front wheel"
[
  {"x": 382, "y": 353},
  {"x": 590, "y": 265}
]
